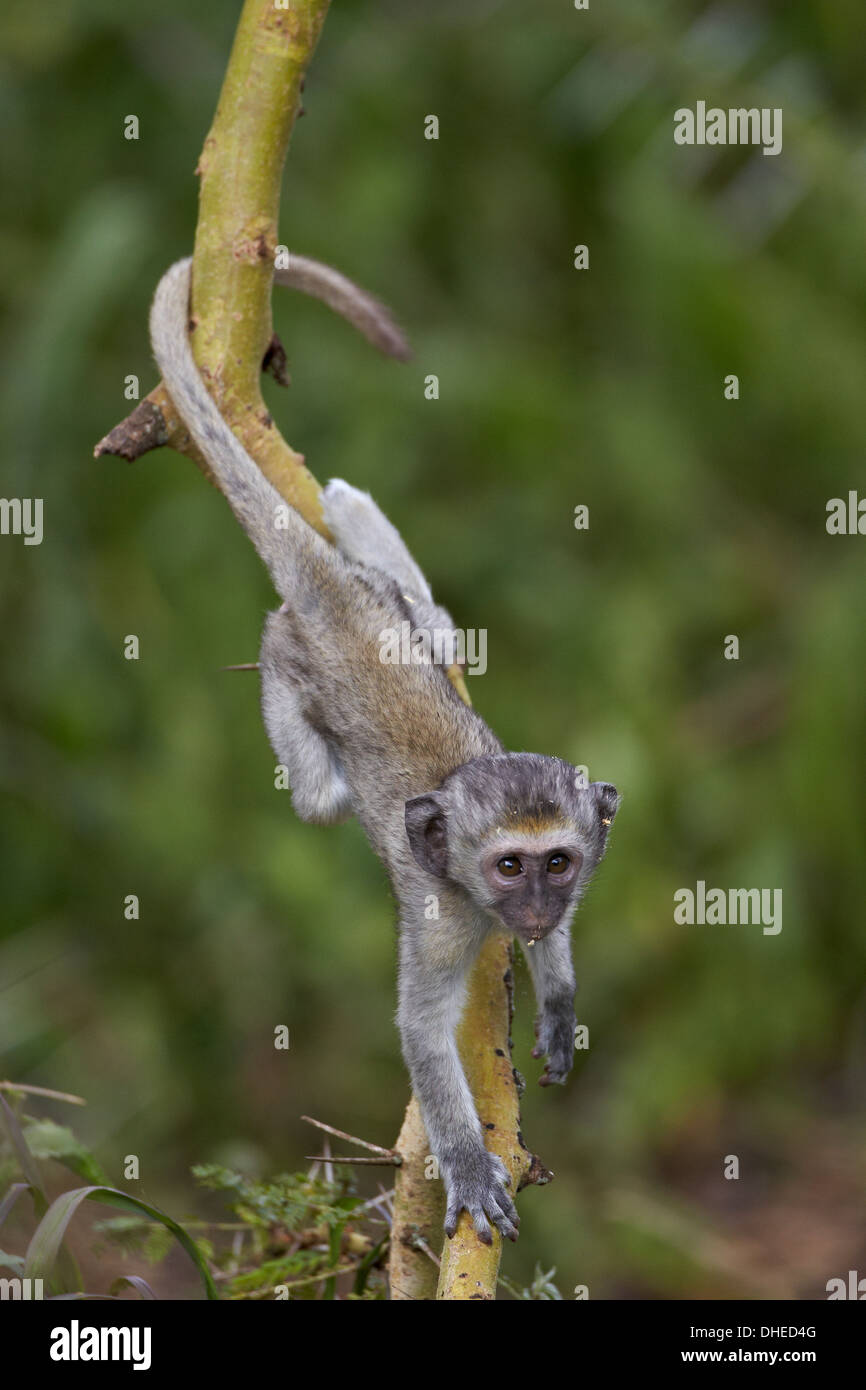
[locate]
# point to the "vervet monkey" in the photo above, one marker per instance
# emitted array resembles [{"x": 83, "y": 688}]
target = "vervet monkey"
[{"x": 499, "y": 842}]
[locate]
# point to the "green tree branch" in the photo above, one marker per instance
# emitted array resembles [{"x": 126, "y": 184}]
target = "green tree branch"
[{"x": 240, "y": 170}]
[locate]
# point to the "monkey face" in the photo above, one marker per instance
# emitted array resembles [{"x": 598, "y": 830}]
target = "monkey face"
[
  {"x": 532, "y": 887},
  {"x": 520, "y": 832},
  {"x": 532, "y": 890}
]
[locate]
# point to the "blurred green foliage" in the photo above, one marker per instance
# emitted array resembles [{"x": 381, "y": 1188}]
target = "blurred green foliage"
[{"x": 558, "y": 387}]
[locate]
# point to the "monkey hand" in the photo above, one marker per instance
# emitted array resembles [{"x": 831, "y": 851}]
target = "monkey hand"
[
  {"x": 478, "y": 1182},
  {"x": 554, "y": 1031}
]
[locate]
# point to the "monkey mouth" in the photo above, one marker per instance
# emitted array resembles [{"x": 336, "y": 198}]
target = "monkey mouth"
[
  {"x": 528, "y": 933},
  {"x": 531, "y": 935}
]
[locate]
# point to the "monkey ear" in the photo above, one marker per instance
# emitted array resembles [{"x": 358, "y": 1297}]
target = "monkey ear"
[
  {"x": 428, "y": 838},
  {"x": 607, "y": 801}
]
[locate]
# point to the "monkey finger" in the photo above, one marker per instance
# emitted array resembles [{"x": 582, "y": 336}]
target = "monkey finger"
[
  {"x": 551, "y": 1078},
  {"x": 502, "y": 1222},
  {"x": 504, "y": 1178},
  {"x": 509, "y": 1209},
  {"x": 504, "y": 1207},
  {"x": 482, "y": 1229},
  {"x": 500, "y": 1170}
]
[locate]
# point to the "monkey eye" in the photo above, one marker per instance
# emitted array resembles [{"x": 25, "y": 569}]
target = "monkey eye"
[
  {"x": 510, "y": 866},
  {"x": 558, "y": 863}
]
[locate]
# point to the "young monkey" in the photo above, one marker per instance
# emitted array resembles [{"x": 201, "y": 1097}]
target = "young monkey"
[{"x": 498, "y": 842}]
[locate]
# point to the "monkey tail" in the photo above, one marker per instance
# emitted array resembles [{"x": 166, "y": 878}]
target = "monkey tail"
[
  {"x": 255, "y": 502},
  {"x": 347, "y": 299}
]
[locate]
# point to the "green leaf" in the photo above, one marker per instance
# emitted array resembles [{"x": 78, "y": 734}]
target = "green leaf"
[
  {"x": 48, "y": 1237},
  {"x": 81, "y": 1297},
  {"x": 12, "y": 1197},
  {"x": 367, "y": 1264},
  {"x": 135, "y": 1282},
  {"x": 334, "y": 1242},
  {"x": 45, "y": 1139},
  {"x": 25, "y": 1158}
]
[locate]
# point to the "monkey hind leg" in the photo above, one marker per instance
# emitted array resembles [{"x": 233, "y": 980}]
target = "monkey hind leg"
[
  {"x": 320, "y": 792},
  {"x": 365, "y": 535}
]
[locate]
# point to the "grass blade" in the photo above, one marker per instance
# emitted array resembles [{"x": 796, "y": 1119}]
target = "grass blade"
[
  {"x": 25, "y": 1157},
  {"x": 12, "y": 1197},
  {"x": 136, "y": 1282},
  {"x": 48, "y": 1237}
]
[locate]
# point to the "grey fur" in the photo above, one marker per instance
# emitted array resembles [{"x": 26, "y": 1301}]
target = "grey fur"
[
  {"x": 346, "y": 299},
  {"x": 360, "y": 736}
]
